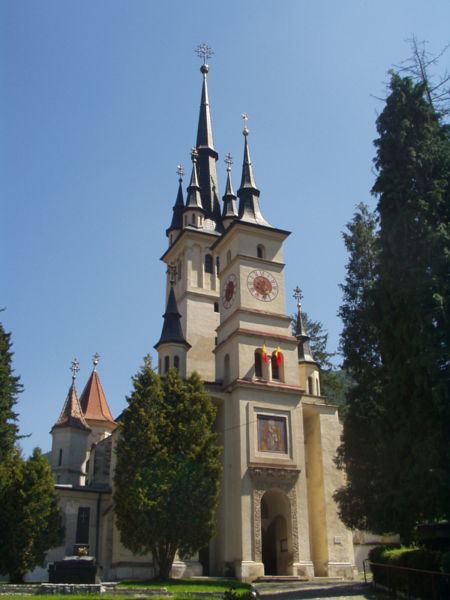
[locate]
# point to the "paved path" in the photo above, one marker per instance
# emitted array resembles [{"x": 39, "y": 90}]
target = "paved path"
[{"x": 316, "y": 591}]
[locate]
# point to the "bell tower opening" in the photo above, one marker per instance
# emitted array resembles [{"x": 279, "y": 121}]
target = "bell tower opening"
[{"x": 276, "y": 533}]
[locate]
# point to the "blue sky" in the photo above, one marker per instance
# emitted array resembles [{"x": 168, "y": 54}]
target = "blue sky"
[{"x": 99, "y": 103}]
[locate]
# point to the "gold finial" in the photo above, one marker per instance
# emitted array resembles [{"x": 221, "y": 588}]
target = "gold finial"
[
  {"x": 298, "y": 296},
  {"x": 95, "y": 360},
  {"x": 245, "y": 119},
  {"x": 74, "y": 367},
  {"x": 228, "y": 161},
  {"x": 204, "y": 52},
  {"x": 180, "y": 172}
]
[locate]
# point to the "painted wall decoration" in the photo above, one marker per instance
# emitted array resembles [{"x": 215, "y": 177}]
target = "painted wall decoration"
[{"x": 272, "y": 434}]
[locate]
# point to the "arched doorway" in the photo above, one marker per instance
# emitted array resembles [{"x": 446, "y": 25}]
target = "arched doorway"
[{"x": 276, "y": 533}]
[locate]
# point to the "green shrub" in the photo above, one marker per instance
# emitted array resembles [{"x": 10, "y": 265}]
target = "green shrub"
[{"x": 420, "y": 584}]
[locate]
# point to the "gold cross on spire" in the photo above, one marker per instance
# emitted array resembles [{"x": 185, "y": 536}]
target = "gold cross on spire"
[
  {"x": 228, "y": 161},
  {"x": 74, "y": 367},
  {"x": 204, "y": 51},
  {"x": 298, "y": 295},
  {"x": 180, "y": 172}
]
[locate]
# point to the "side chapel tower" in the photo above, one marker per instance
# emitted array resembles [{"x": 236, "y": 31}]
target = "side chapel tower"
[{"x": 226, "y": 319}]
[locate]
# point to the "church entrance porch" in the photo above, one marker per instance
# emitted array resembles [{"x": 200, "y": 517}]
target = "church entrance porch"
[{"x": 276, "y": 533}]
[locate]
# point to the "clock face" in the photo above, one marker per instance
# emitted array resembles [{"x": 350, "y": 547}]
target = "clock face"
[
  {"x": 262, "y": 285},
  {"x": 229, "y": 290}
]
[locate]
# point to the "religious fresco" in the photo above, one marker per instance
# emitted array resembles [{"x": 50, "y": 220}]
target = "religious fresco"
[{"x": 272, "y": 435}]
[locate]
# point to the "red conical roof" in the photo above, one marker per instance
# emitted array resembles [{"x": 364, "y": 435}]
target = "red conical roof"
[
  {"x": 93, "y": 401},
  {"x": 71, "y": 414}
]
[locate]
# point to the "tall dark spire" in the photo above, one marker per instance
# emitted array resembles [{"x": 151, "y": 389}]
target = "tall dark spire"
[
  {"x": 229, "y": 198},
  {"x": 178, "y": 207},
  {"x": 304, "y": 349},
  {"x": 207, "y": 156},
  {"x": 171, "y": 331},
  {"x": 194, "y": 199},
  {"x": 249, "y": 209}
]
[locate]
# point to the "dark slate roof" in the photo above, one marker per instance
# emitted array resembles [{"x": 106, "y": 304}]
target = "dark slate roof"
[
  {"x": 249, "y": 209},
  {"x": 229, "y": 200},
  {"x": 171, "y": 331},
  {"x": 178, "y": 208},
  {"x": 206, "y": 163},
  {"x": 193, "y": 198},
  {"x": 304, "y": 349}
]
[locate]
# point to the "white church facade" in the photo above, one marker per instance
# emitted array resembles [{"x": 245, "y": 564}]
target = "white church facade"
[{"x": 226, "y": 319}]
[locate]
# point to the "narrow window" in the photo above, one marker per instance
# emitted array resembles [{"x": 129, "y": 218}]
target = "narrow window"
[
  {"x": 310, "y": 386},
  {"x": 318, "y": 386},
  {"x": 258, "y": 363},
  {"x": 275, "y": 367},
  {"x": 228, "y": 257},
  {"x": 216, "y": 307},
  {"x": 208, "y": 263},
  {"x": 260, "y": 251},
  {"x": 60, "y": 457},
  {"x": 226, "y": 368},
  {"x": 185, "y": 220},
  {"x": 179, "y": 270},
  {"x": 193, "y": 219},
  {"x": 166, "y": 363},
  {"x": 217, "y": 265},
  {"x": 82, "y": 534},
  {"x": 176, "y": 362}
]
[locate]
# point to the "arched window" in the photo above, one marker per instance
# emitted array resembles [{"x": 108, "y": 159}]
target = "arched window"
[
  {"x": 260, "y": 251},
  {"x": 275, "y": 366},
  {"x": 208, "y": 263},
  {"x": 258, "y": 363},
  {"x": 228, "y": 257},
  {"x": 226, "y": 368},
  {"x": 176, "y": 362},
  {"x": 310, "y": 386},
  {"x": 166, "y": 363}
]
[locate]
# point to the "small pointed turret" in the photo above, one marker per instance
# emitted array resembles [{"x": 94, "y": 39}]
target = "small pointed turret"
[
  {"x": 177, "y": 218},
  {"x": 304, "y": 349},
  {"x": 229, "y": 212},
  {"x": 72, "y": 414},
  {"x": 171, "y": 330},
  {"x": 93, "y": 400},
  {"x": 194, "y": 199},
  {"x": 172, "y": 346},
  {"x": 249, "y": 209}
]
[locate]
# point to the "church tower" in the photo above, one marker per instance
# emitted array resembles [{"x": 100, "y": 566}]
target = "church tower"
[{"x": 226, "y": 318}]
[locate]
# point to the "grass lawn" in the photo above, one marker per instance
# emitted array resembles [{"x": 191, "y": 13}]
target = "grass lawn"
[{"x": 190, "y": 586}]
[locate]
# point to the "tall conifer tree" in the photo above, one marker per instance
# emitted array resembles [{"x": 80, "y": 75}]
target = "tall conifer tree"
[
  {"x": 360, "y": 501},
  {"x": 413, "y": 163}
]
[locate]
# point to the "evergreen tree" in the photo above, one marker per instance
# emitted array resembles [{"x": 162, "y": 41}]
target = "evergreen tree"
[
  {"x": 413, "y": 163},
  {"x": 360, "y": 499},
  {"x": 10, "y": 387},
  {"x": 30, "y": 520},
  {"x": 168, "y": 468}
]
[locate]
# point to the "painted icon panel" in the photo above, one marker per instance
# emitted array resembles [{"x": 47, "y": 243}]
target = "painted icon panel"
[{"x": 272, "y": 434}]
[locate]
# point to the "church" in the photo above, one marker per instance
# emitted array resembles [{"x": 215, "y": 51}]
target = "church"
[{"x": 225, "y": 317}]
